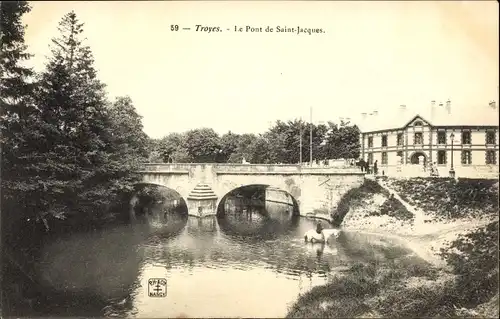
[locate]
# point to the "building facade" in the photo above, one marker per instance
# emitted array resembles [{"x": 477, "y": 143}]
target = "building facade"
[{"x": 469, "y": 145}]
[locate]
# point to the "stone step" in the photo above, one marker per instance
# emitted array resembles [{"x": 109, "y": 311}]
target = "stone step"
[{"x": 202, "y": 191}]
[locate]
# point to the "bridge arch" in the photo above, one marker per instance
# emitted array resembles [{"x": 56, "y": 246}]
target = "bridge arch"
[
  {"x": 265, "y": 188},
  {"x": 163, "y": 193},
  {"x": 258, "y": 219}
]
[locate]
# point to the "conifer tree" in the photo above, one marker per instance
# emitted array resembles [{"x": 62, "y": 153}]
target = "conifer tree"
[
  {"x": 16, "y": 110},
  {"x": 74, "y": 130}
]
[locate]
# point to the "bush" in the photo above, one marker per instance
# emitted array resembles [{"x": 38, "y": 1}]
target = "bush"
[
  {"x": 419, "y": 302},
  {"x": 446, "y": 198},
  {"x": 393, "y": 207},
  {"x": 474, "y": 259}
]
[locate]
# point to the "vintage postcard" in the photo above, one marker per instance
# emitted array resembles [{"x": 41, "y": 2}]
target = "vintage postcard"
[{"x": 249, "y": 159}]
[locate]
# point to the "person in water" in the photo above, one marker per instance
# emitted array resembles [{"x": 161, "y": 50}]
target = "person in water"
[{"x": 319, "y": 228}]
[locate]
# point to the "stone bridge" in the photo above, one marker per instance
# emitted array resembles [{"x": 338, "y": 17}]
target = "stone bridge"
[{"x": 315, "y": 190}]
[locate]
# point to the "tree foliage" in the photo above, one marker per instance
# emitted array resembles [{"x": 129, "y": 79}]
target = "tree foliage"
[
  {"x": 280, "y": 144},
  {"x": 67, "y": 150},
  {"x": 16, "y": 107}
]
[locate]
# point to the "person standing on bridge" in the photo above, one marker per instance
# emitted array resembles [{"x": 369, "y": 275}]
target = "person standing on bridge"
[{"x": 361, "y": 164}]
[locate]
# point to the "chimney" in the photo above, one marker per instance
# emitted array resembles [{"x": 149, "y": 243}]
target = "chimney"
[
  {"x": 448, "y": 106},
  {"x": 493, "y": 105},
  {"x": 402, "y": 107},
  {"x": 433, "y": 108},
  {"x": 363, "y": 115},
  {"x": 375, "y": 113},
  {"x": 440, "y": 104}
]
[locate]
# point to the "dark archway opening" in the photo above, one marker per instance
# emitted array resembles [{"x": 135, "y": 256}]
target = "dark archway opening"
[
  {"x": 257, "y": 210},
  {"x": 162, "y": 209},
  {"x": 418, "y": 158}
]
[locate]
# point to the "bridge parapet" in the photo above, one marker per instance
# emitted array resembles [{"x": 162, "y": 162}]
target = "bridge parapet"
[{"x": 221, "y": 168}]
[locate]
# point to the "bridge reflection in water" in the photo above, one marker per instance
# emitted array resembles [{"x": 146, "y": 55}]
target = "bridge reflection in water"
[{"x": 237, "y": 215}]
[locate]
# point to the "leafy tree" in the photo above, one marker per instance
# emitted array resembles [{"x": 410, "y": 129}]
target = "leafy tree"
[
  {"x": 202, "y": 145},
  {"x": 127, "y": 145},
  {"x": 260, "y": 150},
  {"x": 127, "y": 131},
  {"x": 181, "y": 155},
  {"x": 341, "y": 141},
  {"x": 154, "y": 154},
  {"x": 229, "y": 145},
  {"x": 169, "y": 145}
]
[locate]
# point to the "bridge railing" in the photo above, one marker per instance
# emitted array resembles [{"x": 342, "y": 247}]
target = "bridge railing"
[{"x": 255, "y": 168}]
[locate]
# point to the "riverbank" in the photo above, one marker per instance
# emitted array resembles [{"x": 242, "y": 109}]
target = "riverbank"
[{"x": 456, "y": 235}]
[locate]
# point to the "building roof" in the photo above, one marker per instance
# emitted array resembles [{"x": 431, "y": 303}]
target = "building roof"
[{"x": 482, "y": 115}]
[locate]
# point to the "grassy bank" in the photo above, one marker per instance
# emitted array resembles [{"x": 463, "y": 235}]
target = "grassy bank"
[
  {"x": 445, "y": 199},
  {"x": 467, "y": 284}
]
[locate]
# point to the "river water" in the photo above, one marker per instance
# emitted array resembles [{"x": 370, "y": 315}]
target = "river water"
[{"x": 240, "y": 265}]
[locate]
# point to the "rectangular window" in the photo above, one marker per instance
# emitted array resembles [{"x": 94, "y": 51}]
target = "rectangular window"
[
  {"x": 466, "y": 137},
  {"x": 466, "y": 158},
  {"x": 370, "y": 141},
  {"x": 400, "y": 138},
  {"x": 441, "y": 157},
  {"x": 418, "y": 139},
  {"x": 384, "y": 140},
  {"x": 370, "y": 158},
  {"x": 400, "y": 156},
  {"x": 491, "y": 158},
  {"x": 490, "y": 137},
  {"x": 384, "y": 158},
  {"x": 441, "y": 137}
]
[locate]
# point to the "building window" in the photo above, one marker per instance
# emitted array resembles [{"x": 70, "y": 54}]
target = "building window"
[
  {"x": 441, "y": 157},
  {"x": 370, "y": 158},
  {"x": 490, "y": 137},
  {"x": 384, "y": 158},
  {"x": 370, "y": 141},
  {"x": 384, "y": 140},
  {"x": 400, "y": 138},
  {"x": 466, "y": 137},
  {"x": 418, "y": 123},
  {"x": 418, "y": 138},
  {"x": 400, "y": 155},
  {"x": 441, "y": 137},
  {"x": 466, "y": 158},
  {"x": 491, "y": 158}
]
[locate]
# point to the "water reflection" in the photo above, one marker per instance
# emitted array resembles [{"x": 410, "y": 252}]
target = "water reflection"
[
  {"x": 251, "y": 265},
  {"x": 165, "y": 221},
  {"x": 260, "y": 221}
]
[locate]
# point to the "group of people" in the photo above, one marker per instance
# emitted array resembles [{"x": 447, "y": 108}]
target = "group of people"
[
  {"x": 433, "y": 169},
  {"x": 365, "y": 167}
]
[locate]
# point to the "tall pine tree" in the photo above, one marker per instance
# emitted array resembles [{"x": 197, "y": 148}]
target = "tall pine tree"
[
  {"x": 75, "y": 137},
  {"x": 16, "y": 111}
]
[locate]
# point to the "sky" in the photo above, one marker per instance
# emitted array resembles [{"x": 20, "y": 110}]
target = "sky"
[{"x": 372, "y": 56}]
